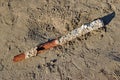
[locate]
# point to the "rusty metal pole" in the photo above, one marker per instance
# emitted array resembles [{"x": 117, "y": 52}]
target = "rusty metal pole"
[{"x": 85, "y": 28}]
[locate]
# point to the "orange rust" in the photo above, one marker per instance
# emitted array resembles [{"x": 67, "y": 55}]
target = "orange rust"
[
  {"x": 19, "y": 57},
  {"x": 49, "y": 45},
  {"x": 40, "y": 49},
  {"x": 46, "y": 46}
]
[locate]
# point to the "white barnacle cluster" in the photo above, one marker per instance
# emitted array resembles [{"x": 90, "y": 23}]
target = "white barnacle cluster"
[
  {"x": 94, "y": 25},
  {"x": 32, "y": 52},
  {"x": 85, "y": 28}
]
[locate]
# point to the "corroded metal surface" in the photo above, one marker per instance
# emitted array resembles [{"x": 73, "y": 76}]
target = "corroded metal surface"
[{"x": 94, "y": 25}]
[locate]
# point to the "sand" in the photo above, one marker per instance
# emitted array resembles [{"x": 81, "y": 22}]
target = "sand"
[{"x": 27, "y": 23}]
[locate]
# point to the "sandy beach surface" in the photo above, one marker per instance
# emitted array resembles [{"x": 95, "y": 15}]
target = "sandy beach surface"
[{"x": 27, "y": 23}]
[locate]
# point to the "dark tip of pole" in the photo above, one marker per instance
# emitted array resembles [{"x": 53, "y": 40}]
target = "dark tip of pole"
[{"x": 107, "y": 19}]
